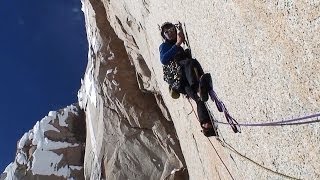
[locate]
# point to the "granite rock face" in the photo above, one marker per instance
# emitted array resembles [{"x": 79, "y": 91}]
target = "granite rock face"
[
  {"x": 264, "y": 58},
  {"x": 128, "y": 137},
  {"x": 53, "y": 149}
]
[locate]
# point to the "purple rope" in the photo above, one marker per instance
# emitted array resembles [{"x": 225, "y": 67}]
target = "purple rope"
[
  {"x": 235, "y": 125},
  {"x": 221, "y": 108},
  {"x": 273, "y": 124}
]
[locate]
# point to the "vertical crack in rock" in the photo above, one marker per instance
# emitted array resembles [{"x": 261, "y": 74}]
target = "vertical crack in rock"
[
  {"x": 196, "y": 145},
  {"x": 269, "y": 53},
  {"x": 130, "y": 138}
]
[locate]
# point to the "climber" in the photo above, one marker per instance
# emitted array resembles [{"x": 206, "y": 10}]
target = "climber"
[{"x": 184, "y": 74}]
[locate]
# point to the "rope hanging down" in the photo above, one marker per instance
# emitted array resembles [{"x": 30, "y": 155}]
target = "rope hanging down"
[
  {"x": 228, "y": 146},
  {"x": 222, "y": 108}
]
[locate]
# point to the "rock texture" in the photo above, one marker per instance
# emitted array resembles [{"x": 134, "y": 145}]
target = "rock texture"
[
  {"x": 264, "y": 60},
  {"x": 127, "y": 135},
  {"x": 53, "y": 149}
]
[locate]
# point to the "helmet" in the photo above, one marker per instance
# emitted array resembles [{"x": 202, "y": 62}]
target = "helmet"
[{"x": 165, "y": 25}]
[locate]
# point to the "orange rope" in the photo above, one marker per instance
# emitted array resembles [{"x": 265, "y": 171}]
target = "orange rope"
[{"x": 193, "y": 110}]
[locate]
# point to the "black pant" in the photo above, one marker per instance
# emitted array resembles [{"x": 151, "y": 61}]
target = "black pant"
[{"x": 192, "y": 71}]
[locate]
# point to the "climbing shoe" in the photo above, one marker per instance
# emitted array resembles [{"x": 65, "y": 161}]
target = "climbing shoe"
[{"x": 208, "y": 130}]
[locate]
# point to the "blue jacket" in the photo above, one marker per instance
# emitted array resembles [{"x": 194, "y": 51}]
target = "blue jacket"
[{"x": 167, "y": 51}]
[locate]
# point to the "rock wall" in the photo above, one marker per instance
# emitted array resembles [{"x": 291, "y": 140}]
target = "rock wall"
[
  {"x": 128, "y": 137},
  {"x": 264, "y": 60},
  {"x": 53, "y": 149}
]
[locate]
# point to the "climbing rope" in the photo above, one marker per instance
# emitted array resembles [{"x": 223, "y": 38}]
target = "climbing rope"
[
  {"x": 221, "y": 107},
  {"x": 236, "y": 127},
  {"x": 229, "y": 147},
  {"x": 193, "y": 110},
  {"x": 223, "y": 143},
  {"x": 221, "y": 160},
  {"x": 280, "y": 123},
  {"x": 233, "y": 122}
]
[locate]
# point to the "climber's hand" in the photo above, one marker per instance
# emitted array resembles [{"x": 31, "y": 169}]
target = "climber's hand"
[
  {"x": 179, "y": 26},
  {"x": 180, "y": 38}
]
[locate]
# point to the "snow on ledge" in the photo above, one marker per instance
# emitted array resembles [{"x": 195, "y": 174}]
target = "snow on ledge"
[
  {"x": 45, "y": 161},
  {"x": 10, "y": 169}
]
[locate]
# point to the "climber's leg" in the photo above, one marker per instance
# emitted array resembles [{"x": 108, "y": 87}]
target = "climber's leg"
[{"x": 205, "y": 121}]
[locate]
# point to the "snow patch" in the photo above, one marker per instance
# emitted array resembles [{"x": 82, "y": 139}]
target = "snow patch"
[
  {"x": 21, "y": 158},
  {"x": 23, "y": 140},
  {"x": 111, "y": 56},
  {"x": 52, "y": 114},
  {"x": 82, "y": 6},
  {"x": 10, "y": 169},
  {"x": 115, "y": 70},
  {"x": 115, "y": 83},
  {"x": 89, "y": 85},
  {"x": 174, "y": 171},
  {"x": 46, "y": 163},
  {"x": 52, "y": 145},
  {"x": 81, "y": 98},
  {"x": 94, "y": 43},
  {"x": 73, "y": 109},
  {"x": 30, "y": 135},
  {"x": 44, "y": 143},
  {"x": 62, "y": 119},
  {"x": 109, "y": 71},
  {"x": 76, "y": 167}
]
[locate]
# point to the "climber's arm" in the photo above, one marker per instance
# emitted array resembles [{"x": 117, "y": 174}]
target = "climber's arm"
[{"x": 167, "y": 52}]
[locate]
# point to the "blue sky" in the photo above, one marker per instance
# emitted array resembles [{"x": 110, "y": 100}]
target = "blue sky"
[{"x": 43, "y": 57}]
